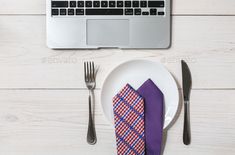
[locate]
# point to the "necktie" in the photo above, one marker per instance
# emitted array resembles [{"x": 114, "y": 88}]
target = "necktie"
[
  {"x": 128, "y": 107},
  {"x": 153, "y": 99}
]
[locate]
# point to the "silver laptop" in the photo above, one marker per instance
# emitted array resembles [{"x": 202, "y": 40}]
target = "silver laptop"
[{"x": 125, "y": 24}]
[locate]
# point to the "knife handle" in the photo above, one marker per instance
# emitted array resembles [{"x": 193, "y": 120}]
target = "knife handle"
[{"x": 186, "y": 132}]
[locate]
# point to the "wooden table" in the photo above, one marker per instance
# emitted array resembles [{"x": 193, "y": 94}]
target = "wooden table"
[{"x": 43, "y": 100}]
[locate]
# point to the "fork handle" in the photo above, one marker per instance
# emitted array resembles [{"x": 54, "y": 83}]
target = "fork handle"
[
  {"x": 186, "y": 132},
  {"x": 91, "y": 134}
]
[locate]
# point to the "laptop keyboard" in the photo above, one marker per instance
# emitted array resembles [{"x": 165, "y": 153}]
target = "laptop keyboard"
[{"x": 79, "y": 8}]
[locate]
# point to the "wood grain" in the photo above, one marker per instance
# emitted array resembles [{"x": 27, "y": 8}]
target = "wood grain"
[
  {"x": 206, "y": 43},
  {"x": 55, "y": 122},
  {"x": 43, "y": 101},
  {"x": 185, "y": 7}
]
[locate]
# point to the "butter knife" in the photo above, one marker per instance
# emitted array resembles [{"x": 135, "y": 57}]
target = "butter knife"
[{"x": 187, "y": 84}]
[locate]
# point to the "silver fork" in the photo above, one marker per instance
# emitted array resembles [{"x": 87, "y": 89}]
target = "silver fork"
[{"x": 89, "y": 73}]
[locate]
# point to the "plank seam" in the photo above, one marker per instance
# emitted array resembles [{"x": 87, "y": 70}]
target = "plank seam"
[
  {"x": 173, "y": 15},
  {"x": 69, "y": 89}
]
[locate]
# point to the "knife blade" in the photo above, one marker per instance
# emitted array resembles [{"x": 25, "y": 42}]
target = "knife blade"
[{"x": 187, "y": 84}]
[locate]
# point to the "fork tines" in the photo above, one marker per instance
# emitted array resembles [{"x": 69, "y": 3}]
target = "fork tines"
[{"x": 89, "y": 71}]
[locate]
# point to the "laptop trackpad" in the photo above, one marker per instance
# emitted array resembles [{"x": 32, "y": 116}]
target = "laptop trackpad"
[{"x": 107, "y": 32}]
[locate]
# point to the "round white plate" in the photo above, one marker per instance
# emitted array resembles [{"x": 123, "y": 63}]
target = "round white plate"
[{"x": 136, "y": 72}]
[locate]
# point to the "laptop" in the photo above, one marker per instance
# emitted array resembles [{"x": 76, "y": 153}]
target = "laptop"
[{"x": 124, "y": 24}]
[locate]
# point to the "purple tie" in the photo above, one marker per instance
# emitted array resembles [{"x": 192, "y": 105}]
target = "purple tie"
[{"x": 154, "y": 119}]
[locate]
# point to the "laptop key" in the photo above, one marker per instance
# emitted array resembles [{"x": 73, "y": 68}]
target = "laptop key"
[
  {"x": 73, "y": 4},
  {"x": 88, "y": 3},
  {"x": 55, "y": 12},
  {"x": 137, "y": 11},
  {"x": 135, "y": 4},
  {"x": 143, "y": 4},
  {"x": 104, "y": 4},
  {"x": 111, "y": 3},
  {"x": 96, "y": 3},
  {"x": 119, "y": 3},
  {"x": 63, "y": 12},
  {"x": 127, "y": 3},
  {"x": 104, "y": 11},
  {"x": 80, "y": 4},
  {"x": 145, "y": 13},
  {"x": 128, "y": 11},
  {"x": 79, "y": 11},
  {"x": 161, "y": 13},
  {"x": 70, "y": 12},
  {"x": 156, "y": 4},
  {"x": 153, "y": 11},
  {"x": 60, "y": 4}
]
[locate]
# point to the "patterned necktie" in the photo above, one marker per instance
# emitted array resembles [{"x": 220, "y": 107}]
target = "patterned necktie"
[{"x": 128, "y": 109}]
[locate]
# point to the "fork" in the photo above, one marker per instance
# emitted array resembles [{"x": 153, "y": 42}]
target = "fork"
[{"x": 89, "y": 75}]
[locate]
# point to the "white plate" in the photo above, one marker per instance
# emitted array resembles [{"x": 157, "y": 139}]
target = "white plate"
[{"x": 136, "y": 72}]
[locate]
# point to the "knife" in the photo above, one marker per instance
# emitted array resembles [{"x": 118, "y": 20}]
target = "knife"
[{"x": 187, "y": 84}]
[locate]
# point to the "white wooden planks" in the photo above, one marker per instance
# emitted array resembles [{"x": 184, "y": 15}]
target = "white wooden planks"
[
  {"x": 206, "y": 43},
  {"x": 43, "y": 107},
  {"x": 185, "y": 7}
]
